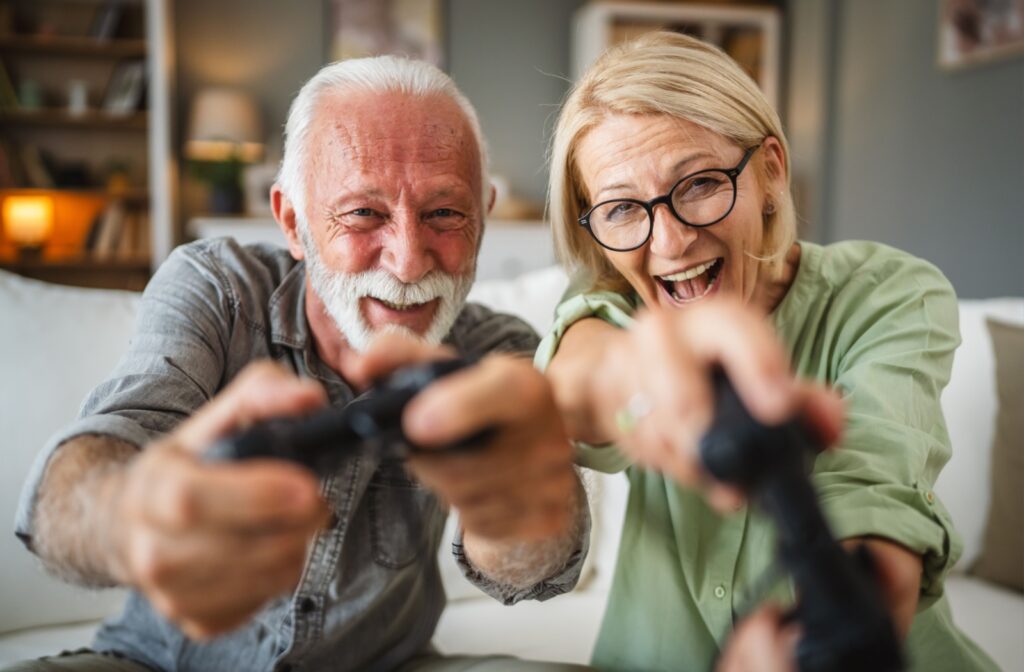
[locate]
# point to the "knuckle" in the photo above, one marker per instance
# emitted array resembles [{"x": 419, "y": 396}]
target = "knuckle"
[
  {"x": 147, "y": 563},
  {"x": 263, "y": 368},
  {"x": 181, "y": 503}
]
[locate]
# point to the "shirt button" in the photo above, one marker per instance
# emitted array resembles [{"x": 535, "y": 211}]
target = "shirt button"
[
  {"x": 930, "y": 497},
  {"x": 307, "y": 604},
  {"x": 719, "y": 592}
]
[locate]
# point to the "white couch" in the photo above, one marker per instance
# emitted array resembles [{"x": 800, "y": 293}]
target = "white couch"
[{"x": 56, "y": 342}]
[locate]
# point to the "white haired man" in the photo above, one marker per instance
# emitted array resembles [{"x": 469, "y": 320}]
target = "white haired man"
[{"x": 257, "y": 565}]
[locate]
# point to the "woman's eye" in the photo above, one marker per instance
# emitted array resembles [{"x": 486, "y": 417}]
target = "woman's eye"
[{"x": 699, "y": 187}]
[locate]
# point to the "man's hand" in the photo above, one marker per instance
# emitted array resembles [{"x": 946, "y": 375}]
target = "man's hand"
[
  {"x": 522, "y": 485},
  {"x": 209, "y": 544}
]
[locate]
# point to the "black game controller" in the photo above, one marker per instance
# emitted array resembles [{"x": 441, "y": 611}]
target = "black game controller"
[
  {"x": 846, "y": 626},
  {"x": 371, "y": 424}
]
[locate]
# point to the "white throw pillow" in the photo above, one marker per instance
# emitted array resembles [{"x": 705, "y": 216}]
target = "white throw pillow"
[{"x": 56, "y": 343}]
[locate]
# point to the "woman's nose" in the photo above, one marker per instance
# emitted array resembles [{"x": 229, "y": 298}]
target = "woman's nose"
[{"x": 670, "y": 237}]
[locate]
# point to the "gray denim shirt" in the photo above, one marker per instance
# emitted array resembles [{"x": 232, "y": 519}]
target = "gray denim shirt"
[{"x": 371, "y": 594}]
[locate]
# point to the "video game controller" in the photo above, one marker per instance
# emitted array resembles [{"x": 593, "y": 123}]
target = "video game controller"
[
  {"x": 846, "y": 625},
  {"x": 371, "y": 423}
]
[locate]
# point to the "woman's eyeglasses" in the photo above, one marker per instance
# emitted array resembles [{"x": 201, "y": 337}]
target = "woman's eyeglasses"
[{"x": 700, "y": 199}]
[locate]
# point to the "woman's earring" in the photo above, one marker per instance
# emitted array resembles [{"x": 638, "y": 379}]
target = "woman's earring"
[{"x": 769, "y": 208}]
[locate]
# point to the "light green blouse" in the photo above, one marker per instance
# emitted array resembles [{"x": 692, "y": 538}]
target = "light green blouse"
[{"x": 881, "y": 326}]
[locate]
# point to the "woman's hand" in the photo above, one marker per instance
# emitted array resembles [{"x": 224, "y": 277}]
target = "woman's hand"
[
  {"x": 763, "y": 642},
  {"x": 648, "y": 388}
]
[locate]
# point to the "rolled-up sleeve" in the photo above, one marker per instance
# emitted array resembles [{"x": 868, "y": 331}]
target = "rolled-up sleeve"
[
  {"x": 879, "y": 481},
  {"x": 173, "y": 365},
  {"x": 614, "y": 309},
  {"x": 560, "y": 582}
]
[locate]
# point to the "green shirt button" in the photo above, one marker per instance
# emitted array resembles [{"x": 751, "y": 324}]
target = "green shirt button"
[{"x": 719, "y": 592}]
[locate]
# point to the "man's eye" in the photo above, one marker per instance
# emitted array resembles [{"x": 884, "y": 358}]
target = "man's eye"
[
  {"x": 446, "y": 218},
  {"x": 359, "y": 219}
]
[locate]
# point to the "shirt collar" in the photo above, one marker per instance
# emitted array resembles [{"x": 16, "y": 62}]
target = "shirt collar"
[{"x": 288, "y": 323}]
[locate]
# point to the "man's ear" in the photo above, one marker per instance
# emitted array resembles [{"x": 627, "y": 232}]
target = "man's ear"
[
  {"x": 285, "y": 215},
  {"x": 491, "y": 198}
]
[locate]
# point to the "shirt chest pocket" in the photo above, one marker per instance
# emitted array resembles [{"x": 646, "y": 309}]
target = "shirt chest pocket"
[{"x": 401, "y": 515}]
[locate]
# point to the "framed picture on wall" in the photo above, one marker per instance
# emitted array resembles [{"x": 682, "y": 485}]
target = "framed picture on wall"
[
  {"x": 979, "y": 31},
  {"x": 410, "y": 28}
]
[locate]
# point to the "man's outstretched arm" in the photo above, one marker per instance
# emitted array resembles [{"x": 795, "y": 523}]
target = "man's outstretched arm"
[
  {"x": 76, "y": 509},
  {"x": 208, "y": 544}
]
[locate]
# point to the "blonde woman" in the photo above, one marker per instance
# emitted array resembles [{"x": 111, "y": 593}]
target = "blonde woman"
[{"x": 670, "y": 203}]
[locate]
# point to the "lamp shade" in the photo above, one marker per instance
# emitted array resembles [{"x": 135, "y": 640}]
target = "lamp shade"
[
  {"x": 224, "y": 123},
  {"x": 28, "y": 220}
]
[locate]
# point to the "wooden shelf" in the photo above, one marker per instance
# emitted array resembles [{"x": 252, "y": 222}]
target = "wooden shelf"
[
  {"x": 132, "y": 195},
  {"x": 136, "y": 121},
  {"x": 75, "y": 263},
  {"x": 83, "y": 271},
  {"x": 58, "y": 45}
]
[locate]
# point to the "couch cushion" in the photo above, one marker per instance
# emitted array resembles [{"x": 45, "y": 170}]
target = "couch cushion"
[
  {"x": 990, "y": 615},
  {"x": 55, "y": 344},
  {"x": 45, "y": 641},
  {"x": 969, "y": 405},
  {"x": 1002, "y": 553},
  {"x": 563, "y": 629}
]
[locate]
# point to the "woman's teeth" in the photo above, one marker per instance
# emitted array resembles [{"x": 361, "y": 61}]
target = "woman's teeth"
[
  {"x": 690, "y": 273},
  {"x": 693, "y": 283}
]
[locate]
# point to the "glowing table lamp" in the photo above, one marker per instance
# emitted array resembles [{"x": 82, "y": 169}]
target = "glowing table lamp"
[
  {"x": 225, "y": 132},
  {"x": 28, "y": 221}
]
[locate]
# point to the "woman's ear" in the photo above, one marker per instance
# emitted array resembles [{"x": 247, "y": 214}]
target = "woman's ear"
[{"x": 775, "y": 174}]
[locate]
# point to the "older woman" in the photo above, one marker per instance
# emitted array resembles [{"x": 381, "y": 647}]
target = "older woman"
[{"x": 670, "y": 203}]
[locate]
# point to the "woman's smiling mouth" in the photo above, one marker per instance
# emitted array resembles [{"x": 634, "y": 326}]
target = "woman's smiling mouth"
[{"x": 692, "y": 284}]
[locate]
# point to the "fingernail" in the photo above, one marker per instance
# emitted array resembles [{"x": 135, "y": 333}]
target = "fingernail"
[{"x": 420, "y": 422}]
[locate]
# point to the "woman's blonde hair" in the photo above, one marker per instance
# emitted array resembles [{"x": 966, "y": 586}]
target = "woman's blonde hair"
[{"x": 659, "y": 73}]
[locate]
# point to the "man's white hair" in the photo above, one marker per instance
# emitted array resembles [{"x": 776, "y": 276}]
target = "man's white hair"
[{"x": 376, "y": 74}]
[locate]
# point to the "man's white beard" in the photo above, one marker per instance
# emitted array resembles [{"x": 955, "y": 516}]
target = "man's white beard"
[{"x": 341, "y": 294}]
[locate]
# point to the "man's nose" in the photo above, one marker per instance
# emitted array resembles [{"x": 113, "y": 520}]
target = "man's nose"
[
  {"x": 406, "y": 252},
  {"x": 670, "y": 237}
]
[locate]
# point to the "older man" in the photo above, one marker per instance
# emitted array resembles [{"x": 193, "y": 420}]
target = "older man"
[{"x": 257, "y": 566}]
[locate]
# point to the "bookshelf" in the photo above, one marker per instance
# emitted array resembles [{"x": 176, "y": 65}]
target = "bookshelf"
[
  {"x": 750, "y": 33},
  {"x": 85, "y": 122},
  {"x": 136, "y": 121},
  {"x": 73, "y": 46}
]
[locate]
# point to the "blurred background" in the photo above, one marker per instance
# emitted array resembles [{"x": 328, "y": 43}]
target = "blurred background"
[{"x": 128, "y": 127}]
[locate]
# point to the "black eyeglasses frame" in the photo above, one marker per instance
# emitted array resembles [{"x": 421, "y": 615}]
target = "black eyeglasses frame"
[{"x": 732, "y": 173}]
